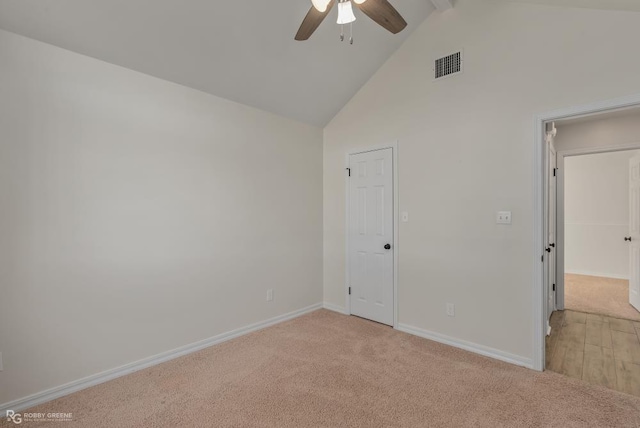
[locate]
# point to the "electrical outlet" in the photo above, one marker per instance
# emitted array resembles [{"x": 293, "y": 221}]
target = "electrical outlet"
[
  {"x": 503, "y": 217},
  {"x": 270, "y": 295},
  {"x": 405, "y": 217},
  {"x": 451, "y": 309}
]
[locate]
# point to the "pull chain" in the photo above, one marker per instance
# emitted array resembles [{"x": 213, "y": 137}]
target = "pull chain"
[
  {"x": 351, "y": 37},
  {"x": 342, "y": 33}
]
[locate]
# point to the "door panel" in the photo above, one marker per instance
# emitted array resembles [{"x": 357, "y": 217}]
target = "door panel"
[
  {"x": 634, "y": 232},
  {"x": 370, "y": 229}
]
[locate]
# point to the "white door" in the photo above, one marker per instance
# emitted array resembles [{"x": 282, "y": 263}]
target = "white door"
[
  {"x": 634, "y": 232},
  {"x": 371, "y": 235},
  {"x": 551, "y": 239}
]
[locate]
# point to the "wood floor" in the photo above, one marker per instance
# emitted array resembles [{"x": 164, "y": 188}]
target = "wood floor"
[{"x": 595, "y": 348}]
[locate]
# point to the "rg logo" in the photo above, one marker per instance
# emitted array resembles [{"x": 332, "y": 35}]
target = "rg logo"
[{"x": 14, "y": 417}]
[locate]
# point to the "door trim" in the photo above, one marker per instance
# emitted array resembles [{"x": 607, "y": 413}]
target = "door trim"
[
  {"x": 394, "y": 155},
  {"x": 555, "y": 237},
  {"x": 560, "y": 241},
  {"x": 539, "y": 224}
]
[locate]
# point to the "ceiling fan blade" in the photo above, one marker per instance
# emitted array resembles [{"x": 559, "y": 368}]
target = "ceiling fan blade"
[
  {"x": 384, "y": 14},
  {"x": 312, "y": 21}
]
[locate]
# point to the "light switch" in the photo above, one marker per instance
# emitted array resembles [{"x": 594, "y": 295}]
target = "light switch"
[
  {"x": 503, "y": 217},
  {"x": 405, "y": 217}
]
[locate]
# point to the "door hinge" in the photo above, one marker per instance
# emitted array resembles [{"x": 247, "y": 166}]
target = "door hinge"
[
  {"x": 349, "y": 169},
  {"x": 554, "y": 287},
  {"x": 349, "y": 291},
  {"x": 554, "y": 171},
  {"x": 542, "y": 258}
]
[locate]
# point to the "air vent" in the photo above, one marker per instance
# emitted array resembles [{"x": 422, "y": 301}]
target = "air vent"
[{"x": 448, "y": 65}]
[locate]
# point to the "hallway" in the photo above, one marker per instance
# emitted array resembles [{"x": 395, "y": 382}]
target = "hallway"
[{"x": 597, "y": 349}]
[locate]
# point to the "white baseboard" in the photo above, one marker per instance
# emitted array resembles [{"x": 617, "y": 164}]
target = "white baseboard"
[
  {"x": 96, "y": 379},
  {"x": 441, "y": 338},
  {"x": 335, "y": 308},
  {"x": 598, "y": 274},
  {"x": 468, "y": 346}
]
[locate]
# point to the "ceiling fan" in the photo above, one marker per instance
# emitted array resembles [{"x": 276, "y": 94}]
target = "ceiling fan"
[{"x": 380, "y": 11}]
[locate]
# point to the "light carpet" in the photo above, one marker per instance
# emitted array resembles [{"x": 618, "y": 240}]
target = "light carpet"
[
  {"x": 329, "y": 370},
  {"x": 598, "y": 295}
]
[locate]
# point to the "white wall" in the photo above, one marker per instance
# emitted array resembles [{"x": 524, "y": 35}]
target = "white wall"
[
  {"x": 597, "y": 214},
  {"x": 138, "y": 216},
  {"x": 466, "y": 151},
  {"x": 617, "y": 129}
]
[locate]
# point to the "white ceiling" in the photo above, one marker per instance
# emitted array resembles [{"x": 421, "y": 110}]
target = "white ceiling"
[
  {"x": 240, "y": 50},
  {"x": 629, "y": 5}
]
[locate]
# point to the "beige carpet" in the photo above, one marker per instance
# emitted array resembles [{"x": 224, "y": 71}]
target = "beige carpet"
[
  {"x": 330, "y": 370},
  {"x": 596, "y": 295}
]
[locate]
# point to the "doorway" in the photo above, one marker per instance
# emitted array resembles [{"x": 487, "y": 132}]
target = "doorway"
[
  {"x": 541, "y": 276},
  {"x": 599, "y": 217},
  {"x": 591, "y": 218},
  {"x": 372, "y": 234}
]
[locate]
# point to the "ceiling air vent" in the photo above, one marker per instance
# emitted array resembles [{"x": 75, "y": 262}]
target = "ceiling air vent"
[{"x": 448, "y": 65}]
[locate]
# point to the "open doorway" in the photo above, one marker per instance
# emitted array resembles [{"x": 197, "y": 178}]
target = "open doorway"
[
  {"x": 597, "y": 229},
  {"x": 592, "y": 231}
]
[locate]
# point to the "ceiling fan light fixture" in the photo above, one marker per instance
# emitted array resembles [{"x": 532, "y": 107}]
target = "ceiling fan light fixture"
[
  {"x": 380, "y": 11},
  {"x": 321, "y": 5},
  {"x": 345, "y": 12}
]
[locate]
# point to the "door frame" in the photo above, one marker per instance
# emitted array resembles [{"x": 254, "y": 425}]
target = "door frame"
[
  {"x": 555, "y": 251},
  {"x": 395, "y": 208},
  {"x": 539, "y": 205}
]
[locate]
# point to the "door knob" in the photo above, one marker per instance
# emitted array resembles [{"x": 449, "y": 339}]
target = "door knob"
[
  {"x": 552, "y": 245},
  {"x": 387, "y": 247},
  {"x": 628, "y": 239},
  {"x": 548, "y": 250}
]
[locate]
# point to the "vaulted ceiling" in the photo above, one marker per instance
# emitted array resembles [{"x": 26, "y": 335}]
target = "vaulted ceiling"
[
  {"x": 628, "y": 5},
  {"x": 240, "y": 50}
]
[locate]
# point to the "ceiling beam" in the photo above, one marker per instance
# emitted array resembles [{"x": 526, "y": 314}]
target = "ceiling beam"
[{"x": 442, "y": 5}]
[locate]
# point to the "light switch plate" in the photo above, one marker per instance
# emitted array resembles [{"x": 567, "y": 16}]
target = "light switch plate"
[
  {"x": 1, "y": 361},
  {"x": 503, "y": 217},
  {"x": 405, "y": 217}
]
